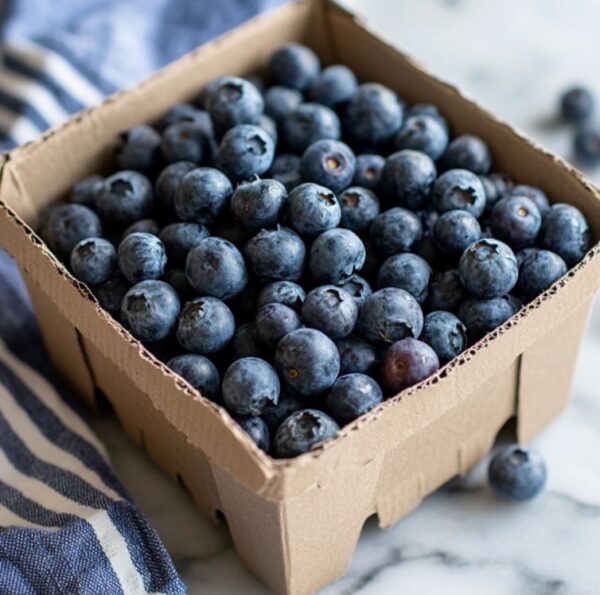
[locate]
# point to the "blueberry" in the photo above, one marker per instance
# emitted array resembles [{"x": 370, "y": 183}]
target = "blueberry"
[
  {"x": 258, "y": 203},
  {"x": 286, "y": 169},
  {"x": 281, "y": 101},
  {"x": 150, "y": 310},
  {"x": 249, "y": 385},
  {"x": 427, "y": 109},
  {"x": 301, "y": 431},
  {"x": 483, "y": 316},
  {"x": 335, "y": 255},
  {"x": 216, "y": 267},
  {"x": 308, "y": 361},
  {"x": 357, "y": 355},
  {"x": 406, "y": 271},
  {"x": 245, "y": 151},
  {"x": 65, "y": 225},
  {"x": 282, "y": 292},
  {"x": 488, "y": 268},
  {"x": 294, "y": 65},
  {"x": 244, "y": 343},
  {"x": 351, "y": 396},
  {"x": 566, "y": 232},
  {"x": 423, "y": 133},
  {"x": 459, "y": 189},
  {"x": 576, "y": 104},
  {"x": 276, "y": 254},
  {"x": 389, "y": 315},
  {"x": 521, "y": 255},
  {"x": 234, "y": 101},
  {"x": 184, "y": 141},
  {"x": 167, "y": 182},
  {"x": 141, "y": 256},
  {"x": 516, "y": 220},
  {"x": 358, "y": 288},
  {"x": 140, "y": 148},
  {"x": 586, "y": 145},
  {"x": 309, "y": 123},
  {"x": 178, "y": 281},
  {"x": 492, "y": 195},
  {"x": 367, "y": 170},
  {"x": 329, "y": 163},
  {"x": 205, "y": 326},
  {"x": 445, "y": 334},
  {"x": 407, "y": 178},
  {"x": 125, "y": 197},
  {"x": 396, "y": 231},
  {"x": 408, "y": 362},
  {"x": 202, "y": 195},
  {"x": 111, "y": 294},
  {"x": 533, "y": 193},
  {"x": 331, "y": 310},
  {"x": 517, "y": 473},
  {"x": 446, "y": 292},
  {"x": 313, "y": 209},
  {"x": 273, "y": 322},
  {"x": 93, "y": 260},
  {"x": 455, "y": 231},
  {"x": 85, "y": 191},
  {"x": 257, "y": 429},
  {"x": 199, "y": 372},
  {"x": 180, "y": 238},
  {"x": 538, "y": 272},
  {"x": 180, "y": 112},
  {"x": 468, "y": 152},
  {"x": 142, "y": 226},
  {"x": 334, "y": 86},
  {"x": 275, "y": 415},
  {"x": 360, "y": 207},
  {"x": 373, "y": 115}
]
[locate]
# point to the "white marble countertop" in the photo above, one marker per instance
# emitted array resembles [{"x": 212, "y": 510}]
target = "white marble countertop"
[{"x": 513, "y": 57}]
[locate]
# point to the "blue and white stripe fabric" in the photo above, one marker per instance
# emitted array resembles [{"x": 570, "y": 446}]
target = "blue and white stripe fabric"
[{"x": 66, "y": 523}]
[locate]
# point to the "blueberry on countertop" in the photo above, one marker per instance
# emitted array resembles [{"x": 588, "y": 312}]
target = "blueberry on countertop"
[
  {"x": 516, "y": 220},
  {"x": 406, "y": 271},
  {"x": 566, "y": 232},
  {"x": 273, "y": 322},
  {"x": 294, "y": 65},
  {"x": 301, "y": 431},
  {"x": 331, "y": 310},
  {"x": 257, "y": 429},
  {"x": 329, "y": 163},
  {"x": 538, "y": 271},
  {"x": 93, "y": 260},
  {"x": 517, "y": 473},
  {"x": 459, "y": 189},
  {"x": 335, "y": 255},
  {"x": 141, "y": 256},
  {"x": 357, "y": 355},
  {"x": 351, "y": 396},
  {"x": 307, "y": 124},
  {"x": 468, "y": 152},
  {"x": 367, "y": 171},
  {"x": 396, "y": 230},
  {"x": 445, "y": 334},
  {"x": 199, "y": 371},
  {"x": 282, "y": 292},
  {"x": 407, "y": 362},
  {"x": 576, "y": 104},
  {"x": 312, "y": 209}
]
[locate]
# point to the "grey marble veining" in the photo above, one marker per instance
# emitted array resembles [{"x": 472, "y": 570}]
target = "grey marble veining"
[{"x": 513, "y": 57}]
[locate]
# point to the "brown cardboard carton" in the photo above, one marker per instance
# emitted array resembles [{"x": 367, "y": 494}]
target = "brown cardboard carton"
[{"x": 296, "y": 523}]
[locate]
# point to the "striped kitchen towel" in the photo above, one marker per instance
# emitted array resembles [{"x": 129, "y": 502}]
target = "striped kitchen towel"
[{"x": 66, "y": 523}]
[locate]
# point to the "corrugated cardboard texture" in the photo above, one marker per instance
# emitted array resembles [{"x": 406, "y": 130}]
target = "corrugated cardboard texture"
[{"x": 295, "y": 523}]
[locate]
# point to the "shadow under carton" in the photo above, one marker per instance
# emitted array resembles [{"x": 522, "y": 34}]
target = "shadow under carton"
[{"x": 296, "y": 523}]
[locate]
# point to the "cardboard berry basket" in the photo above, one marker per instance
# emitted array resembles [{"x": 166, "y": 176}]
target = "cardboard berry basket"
[{"x": 295, "y": 523}]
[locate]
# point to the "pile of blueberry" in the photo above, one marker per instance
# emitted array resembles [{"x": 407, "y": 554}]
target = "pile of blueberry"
[{"x": 298, "y": 279}]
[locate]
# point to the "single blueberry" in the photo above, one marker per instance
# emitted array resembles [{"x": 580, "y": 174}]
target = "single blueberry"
[
  {"x": 389, "y": 315},
  {"x": 308, "y": 361},
  {"x": 459, "y": 189},
  {"x": 538, "y": 272},
  {"x": 406, "y": 271},
  {"x": 234, "y": 101},
  {"x": 257, "y": 429},
  {"x": 93, "y": 261},
  {"x": 184, "y": 141},
  {"x": 360, "y": 207},
  {"x": 216, "y": 267},
  {"x": 576, "y": 104},
  {"x": 141, "y": 256},
  {"x": 357, "y": 355},
  {"x": 468, "y": 152},
  {"x": 286, "y": 169},
  {"x": 516, "y": 220},
  {"x": 249, "y": 385},
  {"x": 367, "y": 170},
  {"x": 335, "y": 255},
  {"x": 521, "y": 255},
  {"x": 111, "y": 294},
  {"x": 482, "y": 316},
  {"x": 273, "y": 322},
  {"x": 84, "y": 192},
  {"x": 125, "y": 197},
  {"x": 143, "y": 226},
  {"x": 309, "y": 123},
  {"x": 180, "y": 238},
  {"x": 408, "y": 362},
  {"x": 426, "y": 109},
  {"x": 167, "y": 182},
  {"x": 294, "y": 65},
  {"x": 202, "y": 195},
  {"x": 313, "y": 209},
  {"x": 566, "y": 232},
  {"x": 199, "y": 372},
  {"x": 258, "y": 203},
  {"x": 533, "y": 193},
  {"x": 330, "y": 310},
  {"x": 246, "y": 151},
  {"x": 140, "y": 148},
  {"x": 205, "y": 326},
  {"x": 329, "y": 163},
  {"x": 358, "y": 288},
  {"x": 276, "y": 254},
  {"x": 517, "y": 473},
  {"x": 281, "y": 101},
  {"x": 396, "y": 231},
  {"x": 423, "y": 133},
  {"x": 445, "y": 334},
  {"x": 180, "y": 112},
  {"x": 275, "y": 415},
  {"x": 282, "y": 292},
  {"x": 150, "y": 310},
  {"x": 488, "y": 268},
  {"x": 455, "y": 231},
  {"x": 446, "y": 292},
  {"x": 334, "y": 86},
  {"x": 351, "y": 396},
  {"x": 301, "y": 431}
]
